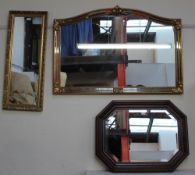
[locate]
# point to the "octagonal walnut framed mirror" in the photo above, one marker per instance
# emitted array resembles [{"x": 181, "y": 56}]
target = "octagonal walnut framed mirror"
[
  {"x": 25, "y": 61},
  {"x": 141, "y": 136},
  {"x": 117, "y": 51}
]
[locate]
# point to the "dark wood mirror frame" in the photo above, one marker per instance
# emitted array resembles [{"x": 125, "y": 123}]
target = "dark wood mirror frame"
[
  {"x": 178, "y": 157},
  {"x": 117, "y": 11}
]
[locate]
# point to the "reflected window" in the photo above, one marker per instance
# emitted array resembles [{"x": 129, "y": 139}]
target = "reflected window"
[
  {"x": 138, "y": 124},
  {"x": 105, "y": 26},
  {"x": 111, "y": 123},
  {"x": 158, "y": 124}
]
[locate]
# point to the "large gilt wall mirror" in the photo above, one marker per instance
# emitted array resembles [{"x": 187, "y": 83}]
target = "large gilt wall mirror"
[
  {"x": 24, "y": 65},
  {"x": 117, "y": 51},
  {"x": 141, "y": 136}
]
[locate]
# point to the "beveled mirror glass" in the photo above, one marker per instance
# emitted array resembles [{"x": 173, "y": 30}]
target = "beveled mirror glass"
[
  {"x": 138, "y": 135},
  {"x": 117, "y": 51},
  {"x": 24, "y": 65}
]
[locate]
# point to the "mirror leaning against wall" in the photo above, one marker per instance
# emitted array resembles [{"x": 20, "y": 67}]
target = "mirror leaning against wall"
[
  {"x": 25, "y": 57},
  {"x": 117, "y": 51}
]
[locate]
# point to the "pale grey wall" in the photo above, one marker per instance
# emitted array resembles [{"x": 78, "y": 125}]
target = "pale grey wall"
[{"x": 60, "y": 140}]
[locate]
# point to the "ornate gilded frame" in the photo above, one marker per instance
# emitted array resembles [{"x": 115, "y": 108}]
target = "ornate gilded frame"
[
  {"x": 8, "y": 61},
  {"x": 176, "y": 23}
]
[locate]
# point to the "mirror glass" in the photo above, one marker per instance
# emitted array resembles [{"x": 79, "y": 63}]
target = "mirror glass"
[
  {"x": 25, "y": 60},
  {"x": 127, "y": 52},
  {"x": 141, "y": 136}
]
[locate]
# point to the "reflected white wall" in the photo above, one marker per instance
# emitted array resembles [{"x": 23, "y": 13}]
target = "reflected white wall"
[
  {"x": 165, "y": 35},
  {"x": 18, "y": 43}
]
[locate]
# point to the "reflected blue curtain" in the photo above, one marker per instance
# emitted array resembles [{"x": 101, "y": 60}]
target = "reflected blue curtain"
[
  {"x": 72, "y": 34},
  {"x": 69, "y": 38},
  {"x": 85, "y": 30}
]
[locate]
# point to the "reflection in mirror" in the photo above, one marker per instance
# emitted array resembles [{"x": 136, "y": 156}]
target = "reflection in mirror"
[
  {"x": 151, "y": 135},
  {"x": 117, "y": 51},
  {"x": 133, "y": 136},
  {"x": 23, "y": 88}
]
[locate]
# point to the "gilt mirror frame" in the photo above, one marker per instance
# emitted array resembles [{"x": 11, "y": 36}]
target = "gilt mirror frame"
[
  {"x": 140, "y": 166},
  {"x": 117, "y": 11},
  {"x": 38, "y": 106}
]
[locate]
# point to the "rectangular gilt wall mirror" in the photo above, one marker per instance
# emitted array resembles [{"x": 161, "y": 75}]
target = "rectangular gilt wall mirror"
[
  {"x": 25, "y": 57},
  {"x": 117, "y": 51}
]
